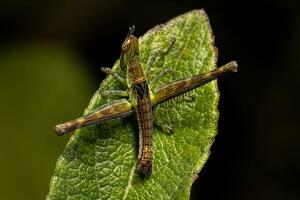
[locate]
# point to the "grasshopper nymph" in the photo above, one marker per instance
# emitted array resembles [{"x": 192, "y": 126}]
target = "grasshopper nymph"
[
  {"x": 141, "y": 99},
  {"x": 139, "y": 95}
]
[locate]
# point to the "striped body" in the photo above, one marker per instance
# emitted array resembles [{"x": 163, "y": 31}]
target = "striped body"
[
  {"x": 139, "y": 95},
  {"x": 145, "y": 123}
]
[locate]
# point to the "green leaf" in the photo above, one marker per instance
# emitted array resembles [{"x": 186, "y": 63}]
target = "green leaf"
[{"x": 99, "y": 162}]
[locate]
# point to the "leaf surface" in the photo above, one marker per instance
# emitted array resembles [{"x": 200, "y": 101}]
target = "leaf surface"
[{"x": 99, "y": 162}]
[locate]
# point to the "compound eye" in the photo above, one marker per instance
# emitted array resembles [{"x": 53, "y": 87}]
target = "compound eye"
[{"x": 126, "y": 44}]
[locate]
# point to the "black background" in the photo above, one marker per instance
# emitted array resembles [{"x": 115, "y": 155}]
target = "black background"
[{"x": 256, "y": 153}]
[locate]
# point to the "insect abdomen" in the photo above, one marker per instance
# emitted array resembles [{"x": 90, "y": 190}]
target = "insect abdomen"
[{"x": 145, "y": 122}]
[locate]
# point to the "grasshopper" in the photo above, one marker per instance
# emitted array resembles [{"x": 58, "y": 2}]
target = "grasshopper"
[{"x": 141, "y": 99}]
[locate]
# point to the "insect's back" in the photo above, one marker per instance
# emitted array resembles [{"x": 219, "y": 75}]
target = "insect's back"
[
  {"x": 140, "y": 95},
  {"x": 145, "y": 122}
]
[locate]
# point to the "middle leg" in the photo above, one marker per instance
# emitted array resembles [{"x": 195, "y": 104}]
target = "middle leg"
[
  {"x": 114, "y": 74},
  {"x": 159, "y": 53}
]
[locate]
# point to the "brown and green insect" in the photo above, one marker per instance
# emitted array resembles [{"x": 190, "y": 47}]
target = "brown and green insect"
[{"x": 140, "y": 97}]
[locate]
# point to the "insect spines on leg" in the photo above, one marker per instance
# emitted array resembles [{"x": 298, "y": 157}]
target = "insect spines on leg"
[
  {"x": 107, "y": 112},
  {"x": 185, "y": 85}
]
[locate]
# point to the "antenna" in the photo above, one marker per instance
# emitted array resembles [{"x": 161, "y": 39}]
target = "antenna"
[{"x": 131, "y": 30}]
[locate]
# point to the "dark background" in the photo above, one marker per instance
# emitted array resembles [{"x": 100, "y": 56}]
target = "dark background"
[{"x": 51, "y": 52}]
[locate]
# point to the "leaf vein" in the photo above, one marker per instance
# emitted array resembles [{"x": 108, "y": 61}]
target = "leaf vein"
[
  {"x": 95, "y": 164},
  {"x": 129, "y": 181}
]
